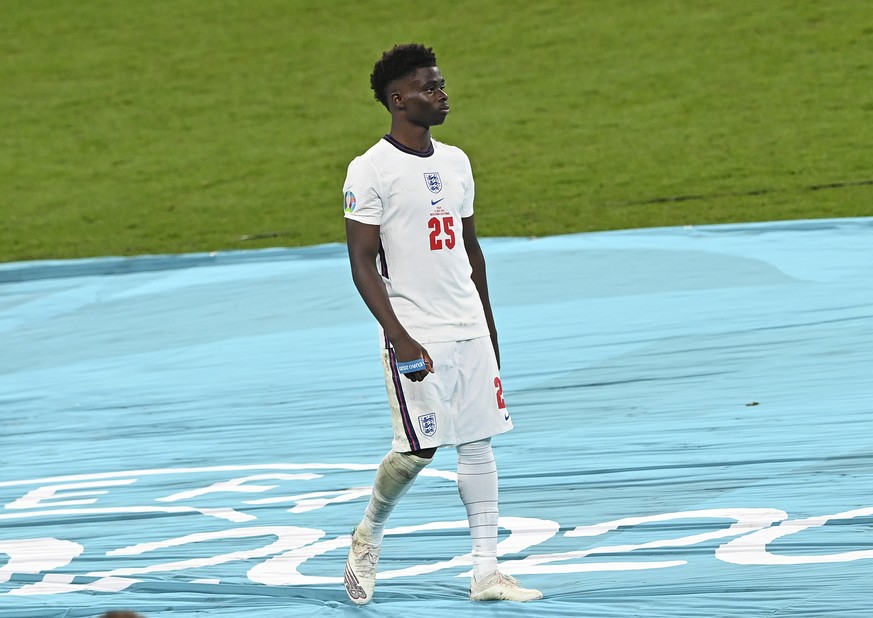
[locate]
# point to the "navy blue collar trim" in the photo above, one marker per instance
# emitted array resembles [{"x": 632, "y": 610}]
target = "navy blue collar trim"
[{"x": 408, "y": 150}]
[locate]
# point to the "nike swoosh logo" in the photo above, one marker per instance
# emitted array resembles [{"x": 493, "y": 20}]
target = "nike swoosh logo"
[{"x": 435, "y": 202}]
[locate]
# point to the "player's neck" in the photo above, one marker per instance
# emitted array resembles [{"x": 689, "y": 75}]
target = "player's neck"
[{"x": 412, "y": 136}]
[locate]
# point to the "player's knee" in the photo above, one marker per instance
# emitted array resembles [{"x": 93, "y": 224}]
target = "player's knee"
[
  {"x": 405, "y": 465},
  {"x": 480, "y": 448},
  {"x": 425, "y": 453}
]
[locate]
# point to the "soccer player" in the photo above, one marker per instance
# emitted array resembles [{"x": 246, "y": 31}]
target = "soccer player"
[{"x": 418, "y": 266}]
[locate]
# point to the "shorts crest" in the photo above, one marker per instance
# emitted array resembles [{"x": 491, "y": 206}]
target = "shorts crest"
[{"x": 428, "y": 424}]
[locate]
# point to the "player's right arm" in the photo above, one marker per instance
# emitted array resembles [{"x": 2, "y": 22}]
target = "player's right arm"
[{"x": 363, "y": 243}]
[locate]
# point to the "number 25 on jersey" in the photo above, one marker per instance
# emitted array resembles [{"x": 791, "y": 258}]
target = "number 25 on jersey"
[{"x": 442, "y": 233}]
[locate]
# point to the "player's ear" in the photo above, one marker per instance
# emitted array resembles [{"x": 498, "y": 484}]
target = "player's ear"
[{"x": 396, "y": 100}]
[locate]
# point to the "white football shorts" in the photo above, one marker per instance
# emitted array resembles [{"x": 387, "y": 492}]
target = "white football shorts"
[{"x": 460, "y": 402}]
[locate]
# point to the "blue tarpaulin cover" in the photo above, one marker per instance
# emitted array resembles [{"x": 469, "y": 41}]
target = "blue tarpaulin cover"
[{"x": 196, "y": 435}]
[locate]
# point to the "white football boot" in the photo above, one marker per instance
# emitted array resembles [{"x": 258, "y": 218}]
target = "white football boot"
[
  {"x": 501, "y": 587},
  {"x": 360, "y": 577}
]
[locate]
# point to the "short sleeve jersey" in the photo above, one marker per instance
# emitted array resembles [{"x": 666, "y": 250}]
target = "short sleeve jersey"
[{"x": 419, "y": 200}]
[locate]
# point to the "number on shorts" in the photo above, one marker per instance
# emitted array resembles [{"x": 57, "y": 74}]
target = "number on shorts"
[{"x": 499, "y": 386}]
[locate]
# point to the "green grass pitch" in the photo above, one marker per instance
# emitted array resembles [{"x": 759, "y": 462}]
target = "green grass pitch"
[{"x": 175, "y": 126}]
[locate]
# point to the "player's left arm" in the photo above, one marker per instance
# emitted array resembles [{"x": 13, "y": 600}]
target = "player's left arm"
[{"x": 477, "y": 262}]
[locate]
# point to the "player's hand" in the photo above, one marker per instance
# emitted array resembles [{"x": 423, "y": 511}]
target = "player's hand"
[{"x": 409, "y": 349}]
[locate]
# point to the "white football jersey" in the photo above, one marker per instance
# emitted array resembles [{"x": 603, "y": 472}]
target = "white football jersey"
[{"x": 418, "y": 200}]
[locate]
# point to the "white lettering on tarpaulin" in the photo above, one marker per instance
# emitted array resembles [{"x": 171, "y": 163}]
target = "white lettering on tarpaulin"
[
  {"x": 52, "y": 495},
  {"x": 277, "y": 555},
  {"x": 239, "y": 485},
  {"x": 287, "y": 538},
  {"x": 57, "y": 583},
  {"x": 316, "y": 499},
  {"x": 752, "y": 548},
  {"x": 745, "y": 520},
  {"x": 34, "y": 556}
]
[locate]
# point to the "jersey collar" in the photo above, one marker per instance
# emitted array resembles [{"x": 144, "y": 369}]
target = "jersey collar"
[{"x": 408, "y": 150}]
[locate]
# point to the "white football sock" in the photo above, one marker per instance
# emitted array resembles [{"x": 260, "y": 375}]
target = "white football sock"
[
  {"x": 477, "y": 484},
  {"x": 394, "y": 477}
]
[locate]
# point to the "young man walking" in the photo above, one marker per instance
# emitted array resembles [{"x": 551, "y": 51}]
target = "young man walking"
[{"x": 418, "y": 266}]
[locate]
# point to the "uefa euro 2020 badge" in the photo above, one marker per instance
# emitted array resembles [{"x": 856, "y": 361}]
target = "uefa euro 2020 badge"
[{"x": 349, "y": 202}]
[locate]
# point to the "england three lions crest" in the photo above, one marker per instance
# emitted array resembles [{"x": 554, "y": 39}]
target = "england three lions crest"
[
  {"x": 433, "y": 182},
  {"x": 427, "y": 422}
]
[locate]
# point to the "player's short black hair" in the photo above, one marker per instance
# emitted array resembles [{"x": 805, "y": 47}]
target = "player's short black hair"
[{"x": 399, "y": 61}]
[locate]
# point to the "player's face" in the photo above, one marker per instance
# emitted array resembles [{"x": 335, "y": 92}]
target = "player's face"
[{"x": 422, "y": 97}]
